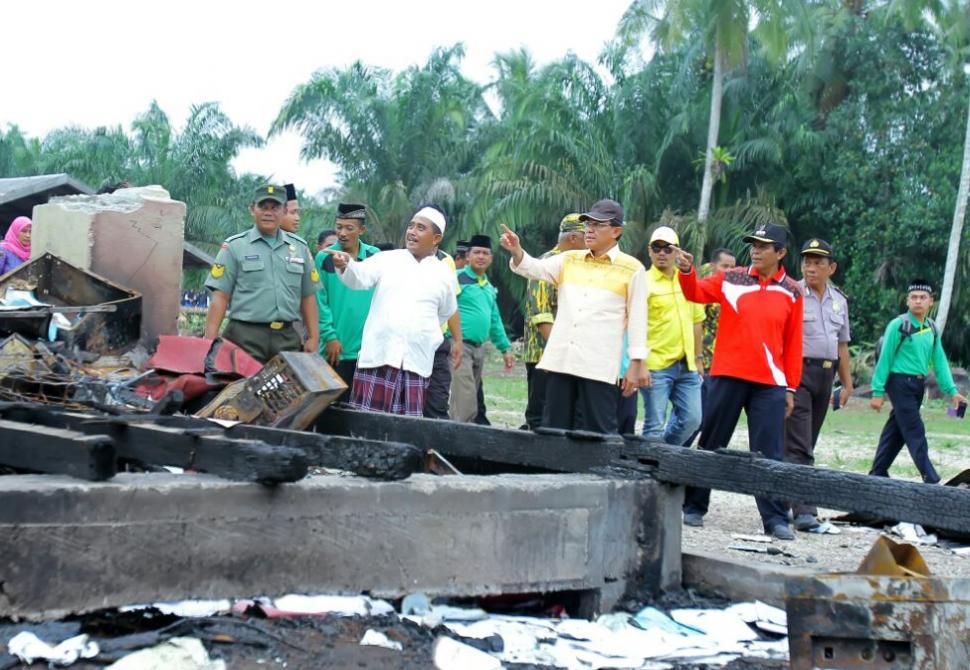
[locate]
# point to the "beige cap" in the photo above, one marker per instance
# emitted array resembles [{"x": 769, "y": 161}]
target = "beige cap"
[{"x": 665, "y": 234}]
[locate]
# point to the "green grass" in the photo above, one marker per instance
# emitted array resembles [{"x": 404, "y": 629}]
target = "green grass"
[{"x": 847, "y": 442}]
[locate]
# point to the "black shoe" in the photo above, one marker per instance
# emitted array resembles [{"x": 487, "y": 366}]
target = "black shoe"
[
  {"x": 694, "y": 519},
  {"x": 781, "y": 531},
  {"x": 806, "y": 523}
]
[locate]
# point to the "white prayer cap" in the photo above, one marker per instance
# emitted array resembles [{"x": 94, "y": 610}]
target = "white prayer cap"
[{"x": 431, "y": 215}]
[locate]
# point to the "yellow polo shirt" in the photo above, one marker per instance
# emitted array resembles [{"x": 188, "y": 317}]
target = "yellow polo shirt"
[{"x": 670, "y": 322}]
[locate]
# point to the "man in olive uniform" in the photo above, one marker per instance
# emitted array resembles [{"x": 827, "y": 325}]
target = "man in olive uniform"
[
  {"x": 266, "y": 279},
  {"x": 825, "y": 351}
]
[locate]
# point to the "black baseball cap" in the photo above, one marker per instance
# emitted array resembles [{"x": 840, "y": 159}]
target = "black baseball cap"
[
  {"x": 605, "y": 210},
  {"x": 770, "y": 233},
  {"x": 817, "y": 247}
]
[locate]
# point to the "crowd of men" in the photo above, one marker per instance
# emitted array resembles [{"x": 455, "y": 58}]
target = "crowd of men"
[{"x": 407, "y": 329}]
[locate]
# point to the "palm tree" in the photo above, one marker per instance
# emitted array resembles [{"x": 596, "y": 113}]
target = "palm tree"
[{"x": 722, "y": 26}]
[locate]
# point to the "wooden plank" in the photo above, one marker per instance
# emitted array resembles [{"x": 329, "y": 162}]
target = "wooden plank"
[
  {"x": 551, "y": 451},
  {"x": 943, "y": 507},
  {"x": 56, "y": 451}
]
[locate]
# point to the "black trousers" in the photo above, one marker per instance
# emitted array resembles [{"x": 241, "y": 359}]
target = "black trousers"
[
  {"x": 536, "y": 381},
  {"x": 626, "y": 413},
  {"x": 764, "y": 406},
  {"x": 904, "y": 426},
  {"x": 346, "y": 370},
  {"x": 575, "y": 403},
  {"x": 439, "y": 385},
  {"x": 805, "y": 423},
  {"x": 480, "y": 418}
]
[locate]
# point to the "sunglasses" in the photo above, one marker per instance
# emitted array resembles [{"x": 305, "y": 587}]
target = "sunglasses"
[{"x": 662, "y": 248}]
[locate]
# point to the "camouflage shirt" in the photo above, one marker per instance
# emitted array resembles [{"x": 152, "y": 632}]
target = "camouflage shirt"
[
  {"x": 540, "y": 307},
  {"x": 712, "y": 313}
]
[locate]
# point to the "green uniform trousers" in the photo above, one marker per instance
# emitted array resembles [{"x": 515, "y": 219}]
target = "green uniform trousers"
[{"x": 262, "y": 342}]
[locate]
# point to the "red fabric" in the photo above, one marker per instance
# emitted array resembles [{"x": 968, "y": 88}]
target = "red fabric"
[
  {"x": 192, "y": 386},
  {"x": 759, "y": 335},
  {"x": 180, "y": 355}
]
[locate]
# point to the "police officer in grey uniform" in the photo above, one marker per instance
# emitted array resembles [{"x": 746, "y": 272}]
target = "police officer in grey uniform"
[
  {"x": 826, "y": 352},
  {"x": 267, "y": 280}
]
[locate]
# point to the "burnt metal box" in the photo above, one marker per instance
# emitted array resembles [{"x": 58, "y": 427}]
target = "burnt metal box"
[
  {"x": 291, "y": 390},
  {"x": 55, "y": 281},
  {"x": 852, "y": 621}
]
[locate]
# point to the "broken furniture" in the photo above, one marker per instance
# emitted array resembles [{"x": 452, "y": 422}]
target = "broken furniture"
[
  {"x": 289, "y": 392},
  {"x": 104, "y": 317}
]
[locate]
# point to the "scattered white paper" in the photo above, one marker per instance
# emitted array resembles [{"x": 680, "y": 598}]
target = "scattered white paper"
[
  {"x": 913, "y": 533},
  {"x": 338, "y": 605},
  {"x": 721, "y": 625},
  {"x": 28, "y": 647},
  {"x": 825, "y": 528},
  {"x": 453, "y": 655},
  {"x": 373, "y": 638}
]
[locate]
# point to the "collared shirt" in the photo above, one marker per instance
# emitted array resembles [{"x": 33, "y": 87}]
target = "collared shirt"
[
  {"x": 343, "y": 311},
  {"x": 759, "y": 337},
  {"x": 826, "y": 322},
  {"x": 266, "y": 277},
  {"x": 913, "y": 356},
  {"x": 478, "y": 304},
  {"x": 670, "y": 318},
  {"x": 599, "y": 300},
  {"x": 540, "y": 308},
  {"x": 411, "y": 301}
]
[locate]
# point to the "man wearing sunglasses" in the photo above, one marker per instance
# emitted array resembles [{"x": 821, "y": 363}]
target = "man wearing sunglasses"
[
  {"x": 676, "y": 337},
  {"x": 757, "y": 361},
  {"x": 602, "y": 295}
]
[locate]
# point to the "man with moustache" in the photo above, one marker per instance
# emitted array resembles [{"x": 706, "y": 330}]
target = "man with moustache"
[
  {"x": 757, "y": 363},
  {"x": 825, "y": 351},
  {"x": 414, "y": 293},
  {"x": 265, "y": 278},
  {"x": 343, "y": 311}
]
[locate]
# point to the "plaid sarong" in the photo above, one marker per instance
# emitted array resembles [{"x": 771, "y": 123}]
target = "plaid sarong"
[{"x": 387, "y": 389}]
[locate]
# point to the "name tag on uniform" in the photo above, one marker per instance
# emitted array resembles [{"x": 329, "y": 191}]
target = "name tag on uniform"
[
  {"x": 254, "y": 257},
  {"x": 294, "y": 259}
]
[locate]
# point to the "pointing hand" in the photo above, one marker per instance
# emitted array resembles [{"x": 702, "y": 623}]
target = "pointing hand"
[{"x": 340, "y": 258}]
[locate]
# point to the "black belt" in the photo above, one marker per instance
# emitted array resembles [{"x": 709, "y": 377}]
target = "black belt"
[
  {"x": 473, "y": 343},
  {"x": 905, "y": 374},
  {"x": 272, "y": 325},
  {"x": 826, "y": 363}
]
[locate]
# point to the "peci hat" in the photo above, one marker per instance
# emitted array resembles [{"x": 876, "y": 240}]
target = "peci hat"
[
  {"x": 270, "y": 192},
  {"x": 605, "y": 210},
  {"x": 771, "y": 233},
  {"x": 665, "y": 234},
  {"x": 483, "y": 241},
  {"x": 351, "y": 211},
  {"x": 920, "y": 285},
  {"x": 817, "y": 247},
  {"x": 462, "y": 246},
  {"x": 290, "y": 192}
]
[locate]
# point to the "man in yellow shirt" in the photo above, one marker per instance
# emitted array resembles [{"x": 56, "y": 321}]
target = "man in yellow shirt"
[{"x": 675, "y": 342}]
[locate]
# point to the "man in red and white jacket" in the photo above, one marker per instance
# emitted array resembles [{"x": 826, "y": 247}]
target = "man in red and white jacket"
[{"x": 757, "y": 361}]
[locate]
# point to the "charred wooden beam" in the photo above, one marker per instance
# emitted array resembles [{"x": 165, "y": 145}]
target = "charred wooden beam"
[
  {"x": 549, "y": 451},
  {"x": 941, "y": 507},
  {"x": 56, "y": 451}
]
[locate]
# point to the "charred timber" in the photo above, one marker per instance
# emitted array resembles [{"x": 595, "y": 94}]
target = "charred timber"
[{"x": 56, "y": 451}]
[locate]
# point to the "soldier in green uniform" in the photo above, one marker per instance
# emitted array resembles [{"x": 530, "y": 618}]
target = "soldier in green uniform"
[{"x": 265, "y": 277}]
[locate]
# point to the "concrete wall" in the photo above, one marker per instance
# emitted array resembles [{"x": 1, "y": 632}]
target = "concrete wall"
[
  {"x": 133, "y": 237},
  {"x": 72, "y": 546}
]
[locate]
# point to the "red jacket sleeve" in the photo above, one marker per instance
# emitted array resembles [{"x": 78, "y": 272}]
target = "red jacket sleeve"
[
  {"x": 704, "y": 290},
  {"x": 792, "y": 355}
]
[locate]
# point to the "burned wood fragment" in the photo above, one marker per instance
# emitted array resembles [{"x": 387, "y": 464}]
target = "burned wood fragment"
[{"x": 56, "y": 451}]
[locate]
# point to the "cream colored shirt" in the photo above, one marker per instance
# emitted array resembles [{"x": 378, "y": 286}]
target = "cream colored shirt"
[{"x": 600, "y": 299}]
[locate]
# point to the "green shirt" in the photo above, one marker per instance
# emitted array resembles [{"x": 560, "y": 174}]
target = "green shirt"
[
  {"x": 266, "y": 278},
  {"x": 343, "y": 311},
  {"x": 478, "y": 306},
  {"x": 540, "y": 308},
  {"x": 914, "y": 356}
]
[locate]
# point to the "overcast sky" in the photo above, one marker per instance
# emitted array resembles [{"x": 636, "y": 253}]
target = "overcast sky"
[{"x": 101, "y": 62}]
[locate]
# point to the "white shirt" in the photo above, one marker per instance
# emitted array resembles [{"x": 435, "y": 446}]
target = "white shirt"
[
  {"x": 599, "y": 300},
  {"x": 411, "y": 301}
]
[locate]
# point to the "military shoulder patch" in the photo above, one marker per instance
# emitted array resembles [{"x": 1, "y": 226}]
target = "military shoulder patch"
[
  {"x": 314, "y": 275},
  {"x": 218, "y": 269}
]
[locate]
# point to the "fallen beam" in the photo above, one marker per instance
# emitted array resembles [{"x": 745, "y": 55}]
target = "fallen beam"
[
  {"x": 56, "y": 451},
  {"x": 928, "y": 504},
  {"x": 550, "y": 451}
]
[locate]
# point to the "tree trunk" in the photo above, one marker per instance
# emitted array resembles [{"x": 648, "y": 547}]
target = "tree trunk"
[
  {"x": 956, "y": 231},
  {"x": 713, "y": 127}
]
